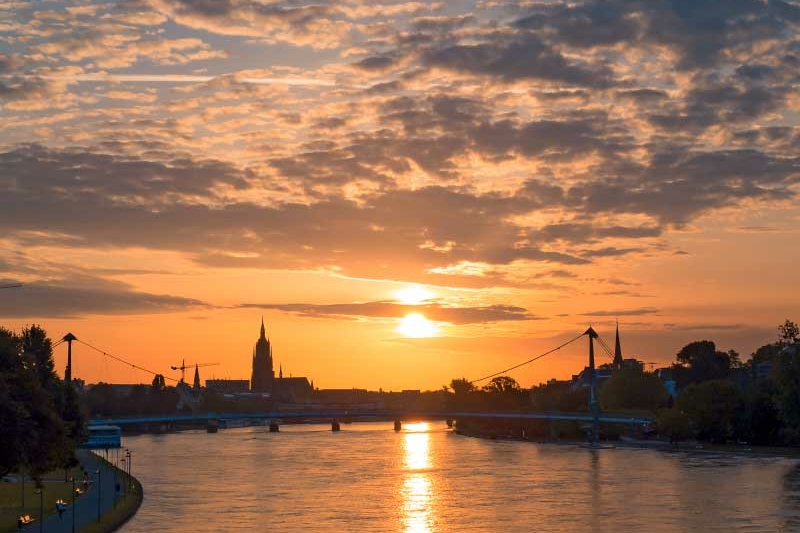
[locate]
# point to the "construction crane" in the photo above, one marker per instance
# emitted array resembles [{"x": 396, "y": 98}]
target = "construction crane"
[{"x": 184, "y": 366}]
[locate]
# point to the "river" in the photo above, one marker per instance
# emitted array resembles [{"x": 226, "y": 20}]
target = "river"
[{"x": 428, "y": 479}]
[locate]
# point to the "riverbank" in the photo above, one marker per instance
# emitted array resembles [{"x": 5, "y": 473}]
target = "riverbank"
[
  {"x": 652, "y": 444},
  {"x": 107, "y": 499},
  {"x": 123, "y": 511}
]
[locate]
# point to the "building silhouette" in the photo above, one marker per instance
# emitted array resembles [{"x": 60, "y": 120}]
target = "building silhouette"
[{"x": 263, "y": 378}]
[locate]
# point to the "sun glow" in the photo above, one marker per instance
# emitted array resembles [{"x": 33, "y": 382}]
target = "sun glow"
[
  {"x": 416, "y": 326},
  {"x": 413, "y": 295}
]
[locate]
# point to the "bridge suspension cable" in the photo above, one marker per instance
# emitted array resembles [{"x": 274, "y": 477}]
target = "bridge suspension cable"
[
  {"x": 528, "y": 361},
  {"x": 123, "y": 361},
  {"x": 605, "y": 347}
]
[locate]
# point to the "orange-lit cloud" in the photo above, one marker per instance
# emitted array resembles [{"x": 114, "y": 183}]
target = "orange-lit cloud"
[{"x": 571, "y": 160}]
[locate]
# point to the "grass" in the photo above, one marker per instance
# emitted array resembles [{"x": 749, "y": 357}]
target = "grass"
[{"x": 11, "y": 498}]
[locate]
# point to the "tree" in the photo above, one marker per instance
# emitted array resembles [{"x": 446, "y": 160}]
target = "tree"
[
  {"x": 34, "y": 406},
  {"x": 673, "y": 424},
  {"x": 788, "y": 333},
  {"x": 703, "y": 362},
  {"x": 461, "y": 386},
  {"x": 787, "y": 378},
  {"x": 631, "y": 388},
  {"x": 37, "y": 352},
  {"x": 712, "y": 408},
  {"x": 502, "y": 385},
  {"x": 158, "y": 384}
]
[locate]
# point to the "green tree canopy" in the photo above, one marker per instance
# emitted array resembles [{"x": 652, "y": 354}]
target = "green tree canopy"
[
  {"x": 711, "y": 408},
  {"x": 631, "y": 388},
  {"x": 39, "y": 415},
  {"x": 703, "y": 362}
]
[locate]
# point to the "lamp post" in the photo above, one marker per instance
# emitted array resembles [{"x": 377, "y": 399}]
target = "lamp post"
[
  {"x": 99, "y": 492},
  {"x": 124, "y": 485},
  {"x": 128, "y": 457},
  {"x": 73, "y": 503},
  {"x": 40, "y": 490}
]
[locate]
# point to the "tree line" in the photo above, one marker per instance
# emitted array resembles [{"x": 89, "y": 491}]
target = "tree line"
[
  {"x": 41, "y": 421},
  {"x": 718, "y": 397}
]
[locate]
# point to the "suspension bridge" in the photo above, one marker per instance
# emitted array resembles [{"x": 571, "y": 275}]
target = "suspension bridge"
[{"x": 593, "y": 416}]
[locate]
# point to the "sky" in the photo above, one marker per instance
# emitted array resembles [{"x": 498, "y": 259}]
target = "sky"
[{"x": 406, "y": 192}]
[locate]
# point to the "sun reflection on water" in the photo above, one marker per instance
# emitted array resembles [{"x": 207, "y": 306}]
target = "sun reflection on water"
[{"x": 417, "y": 490}]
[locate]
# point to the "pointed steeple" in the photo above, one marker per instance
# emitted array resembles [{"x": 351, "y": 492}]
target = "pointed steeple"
[
  {"x": 617, "y": 351},
  {"x": 280, "y": 371},
  {"x": 196, "y": 384},
  {"x": 263, "y": 331}
]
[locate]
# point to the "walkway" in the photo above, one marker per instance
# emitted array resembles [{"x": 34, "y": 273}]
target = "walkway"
[{"x": 87, "y": 504}]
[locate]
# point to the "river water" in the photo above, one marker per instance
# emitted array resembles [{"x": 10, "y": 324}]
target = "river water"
[{"x": 428, "y": 479}]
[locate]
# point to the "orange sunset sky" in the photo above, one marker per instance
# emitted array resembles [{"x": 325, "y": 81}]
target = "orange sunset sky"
[{"x": 407, "y": 192}]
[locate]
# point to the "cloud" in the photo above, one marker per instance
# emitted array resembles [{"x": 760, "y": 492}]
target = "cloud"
[
  {"x": 315, "y": 25},
  {"x": 194, "y": 206},
  {"x": 387, "y": 309},
  {"x": 700, "y": 32},
  {"x": 74, "y": 297},
  {"x": 623, "y": 312},
  {"x": 524, "y": 57}
]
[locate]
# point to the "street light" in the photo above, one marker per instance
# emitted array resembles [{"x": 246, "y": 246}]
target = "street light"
[
  {"x": 124, "y": 487},
  {"x": 128, "y": 456},
  {"x": 73, "y": 503},
  {"x": 40, "y": 490},
  {"x": 99, "y": 492}
]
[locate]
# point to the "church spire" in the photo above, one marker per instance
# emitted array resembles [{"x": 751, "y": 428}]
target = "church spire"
[
  {"x": 196, "y": 384},
  {"x": 263, "y": 331},
  {"x": 280, "y": 371},
  {"x": 617, "y": 351}
]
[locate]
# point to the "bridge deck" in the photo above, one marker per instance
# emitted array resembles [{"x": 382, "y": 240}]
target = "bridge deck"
[{"x": 579, "y": 417}]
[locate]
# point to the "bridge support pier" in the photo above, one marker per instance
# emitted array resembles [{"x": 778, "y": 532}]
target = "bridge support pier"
[
  {"x": 273, "y": 427},
  {"x": 335, "y": 425},
  {"x": 397, "y": 425}
]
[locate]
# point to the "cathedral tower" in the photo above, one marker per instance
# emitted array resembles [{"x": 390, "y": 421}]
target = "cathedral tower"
[{"x": 263, "y": 373}]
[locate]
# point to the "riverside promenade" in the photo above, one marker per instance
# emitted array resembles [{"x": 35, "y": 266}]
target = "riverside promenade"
[{"x": 101, "y": 494}]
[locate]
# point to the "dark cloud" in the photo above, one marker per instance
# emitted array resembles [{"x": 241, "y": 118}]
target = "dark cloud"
[
  {"x": 85, "y": 199},
  {"x": 700, "y": 31},
  {"x": 523, "y": 57},
  {"x": 24, "y": 88},
  {"x": 73, "y": 297},
  {"x": 35, "y": 171},
  {"x": 9, "y": 63},
  {"x": 643, "y": 96},
  {"x": 386, "y": 309},
  {"x": 720, "y": 103},
  {"x": 679, "y": 185},
  {"x": 585, "y": 24},
  {"x": 375, "y": 63},
  {"x": 586, "y": 232},
  {"x": 610, "y": 251}
]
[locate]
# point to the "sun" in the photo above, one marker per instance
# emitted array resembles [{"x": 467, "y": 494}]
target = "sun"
[
  {"x": 413, "y": 295},
  {"x": 416, "y": 326}
]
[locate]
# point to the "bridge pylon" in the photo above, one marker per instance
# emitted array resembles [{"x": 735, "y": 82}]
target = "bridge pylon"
[{"x": 594, "y": 408}]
